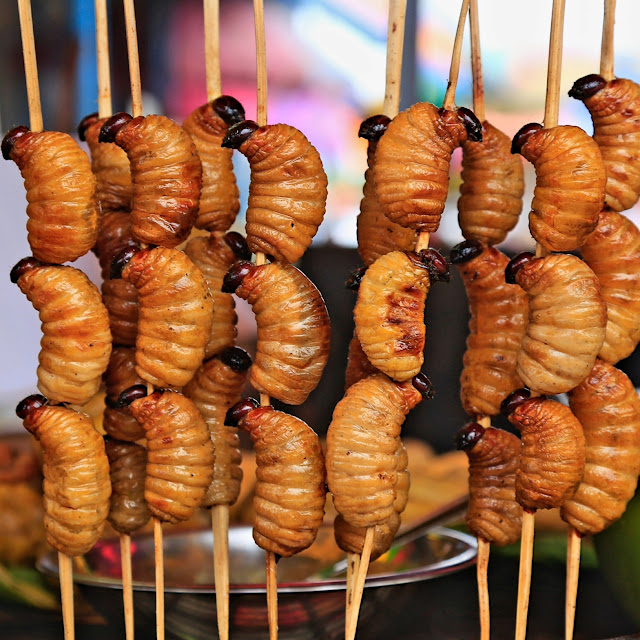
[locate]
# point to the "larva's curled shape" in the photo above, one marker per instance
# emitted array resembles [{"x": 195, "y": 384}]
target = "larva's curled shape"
[
  {"x": 567, "y": 320},
  {"x": 175, "y": 315},
  {"x": 180, "y": 454},
  {"x": 76, "y": 340},
  {"x": 570, "y": 182},
  {"x": 613, "y": 252},
  {"x": 76, "y": 483},
  {"x": 207, "y": 125},
  {"x": 607, "y": 405},
  {"x": 614, "y": 107},
  {"x": 492, "y": 186},
  {"x": 61, "y": 193},
  {"x": 166, "y": 174},
  {"x": 411, "y": 172},
  {"x": 288, "y": 188}
]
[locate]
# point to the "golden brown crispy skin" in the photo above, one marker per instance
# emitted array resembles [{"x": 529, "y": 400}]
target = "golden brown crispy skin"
[
  {"x": 377, "y": 235},
  {"x": 567, "y": 320},
  {"x": 214, "y": 389},
  {"x": 499, "y": 316},
  {"x": 552, "y": 454},
  {"x": 404, "y": 479},
  {"x": 128, "y": 469},
  {"x": 607, "y": 405},
  {"x": 213, "y": 257},
  {"x": 293, "y": 331},
  {"x": 76, "y": 478},
  {"x": 175, "y": 315},
  {"x": 411, "y": 172},
  {"x": 76, "y": 340},
  {"x": 351, "y": 539},
  {"x": 492, "y": 187},
  {"x": 616, "y": 128},
  {"x": 220, "y": 199},
  {"x": 493, "y": 513},
  {"x": 613, "y": 252},
  {"x": 167, "y": 179},
  {"x": 389, "y": 314},
  {"x": 62, "y": 195},
  {"x": 180, "y": 454},
  {"x": 110, "y": 166},
  {"x": 290, "y": 491},
  {"x": 287, "y": 193},
  {"x": 120, "y": 375},
  {"x": 570, "y": 182},
  {"x": 358, "y": 365},
  {"x": 361, "y": 448}
]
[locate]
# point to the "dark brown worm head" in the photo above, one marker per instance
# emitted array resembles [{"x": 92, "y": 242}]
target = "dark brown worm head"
[
  {"x": 355, "y": 278},
  {"x": 520, "y": 139},
  {"x": 29, "y": 404},
  {"x": 434, "y": 262},
  {"x": 236, "y": 274},
  {"x": 238, "y": 244},
  {"x": 229, "y": 109},
  {"x": 110, "y": 128},
  {"x": 469, "y": 436},
  {"x": 239, "y": 411},
  {"x": 471, "y": 124},
  {"x": 515, "y": 264},
  {"x": 587, "y": 86},
  {"x": 422, "y": 383},
  {"x": 514, "y": 400},
  {"x": 465, "y": 251},
  {"x": 135, "y": 392},
  {"x": 372, "y": 128},
  {"x": 238, "y": 133},
  {"x": 10, "y": 139},
  {"x": 120, "y": 260},
  {"x": 26, "y": 264},
  {"x": 236, "y": 359},
  {"x": 85, "y": 123}
]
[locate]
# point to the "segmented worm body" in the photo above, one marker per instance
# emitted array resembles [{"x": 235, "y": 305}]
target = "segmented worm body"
[{"x": 358, "y": 365}]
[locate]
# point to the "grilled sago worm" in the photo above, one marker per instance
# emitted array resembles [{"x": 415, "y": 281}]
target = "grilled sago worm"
[
  {"x": 166, "y": 175},
  {"x": 614, "y": 107},
  {"x": 290, "y": 478},
  {"x": 377, "y": 235},
  {"x": 358, "y": 365},
  {"x": 570, "y": 182},
  {"x": 607, "y": 405},
  {"x": 552, "y": 452},
  {"x": 293, "y": 328},
  {"x": 389, "y": 312},
  {"x": 567, "y": 320},
  {"x": 498, "y": 320},
  {"x": 180, "y": 453},
  {"x": 207, "y": 125},
  {"x": 175, "y": 313},
  {"x": 613, "y": 252},
  {"x": 492, "y": 187},
  {"x": 494, "y": 455},
  {"x": 61, "y": 191},
  {"x": 76, "y": 340},
  {"x": 128, "y": 469},
  {"x": 288, "y": 188},
  {"x": 215, "y": 388},
  {"x": 118, "y": 422},
  {"x": 76, "y": 483},
  {"x": 411, "y": 172}
]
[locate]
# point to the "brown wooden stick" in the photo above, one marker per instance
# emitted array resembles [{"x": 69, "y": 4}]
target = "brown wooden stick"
[
  {"x": 105, "y": 108},
  {"x": 159, "y": 562},
  {"x": 554, "y": 69},
  {"x": 395, "y": 46},
  {"x": 361, "y": 577},
  {"x": 220, "y": 530},
  {"x": 606, "y": 51},
  {"x": 450, "y": 95},
  {"x": 353, "y": 562},
  {"x": 483, "y": 589},
  {"x": 574, "y": 540},
  {"x": 212, "y": 48},
  {"x": 30, "y": 66},
  {"x": 127, "y": 587},
  {"x": 476, "y": 62},
  {"x": 134, "y": 60},
  {"x": 66, "y": 594},
  {"x": 261, "y": 62},
  {"x": 524, "y": 577},
  {"x": 272, "y": 594}
]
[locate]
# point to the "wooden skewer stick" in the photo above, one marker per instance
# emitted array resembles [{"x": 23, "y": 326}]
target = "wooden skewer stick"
[
  {"x": 220, "y": 530},
  {"x": 159, "y": 563},
  {"x": 272, "y": 594},
  {"x": 606, "y": 52},
  {"x": 395, "y": 46},
  {"x": 353, "y": 561},
  {"x": 134, "y": 59},
  {"x": 574, "y": 540},
  {"x": 361, "y": 576},
  {"x": 476, "y": 62},
  {"x": 30, "y": 66},
  {"x": 105, "y": 108},
  {"x": 66, "y": 594},
  {"x": 127, "y": 586},
  {"x": 454, "y": 70},
  {"x": 483, "y": 588},
  {"x": 524, "y": 576},
  {"x": 212, "y": 48}
]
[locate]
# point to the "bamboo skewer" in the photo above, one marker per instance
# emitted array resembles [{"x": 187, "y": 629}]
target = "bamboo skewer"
[
  {"x": 220, "y": 530},
  {"x": 353, "y": 561},
  {"x": 127, "y": 587},
  {"x": 159, "y": 564},
  {"x": 574, "y": 540},
  {"x": 66, "y": 593},
  {"x": 105, "y": 108},
  {"x": 134, "y": 59},
  {"x": 476, "y": 62},
  {"x": 524, "y": 574},
  {"x": 361, "y": 576},
  {"x": 606, "y": 52},
  {"x": 30, "y": 66},
  {"x": 212, "y": 48}
]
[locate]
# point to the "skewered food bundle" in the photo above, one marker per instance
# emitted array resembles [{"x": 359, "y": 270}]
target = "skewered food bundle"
[
  {"x": 61, "y": 193},
  {"x": 207, "y": 125},
  {"x": 76, "y": 340},
  {"x": 76, "y": 474},
  {"x": 614, "y": 107},
  {"x": 288, "y": 188}
]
